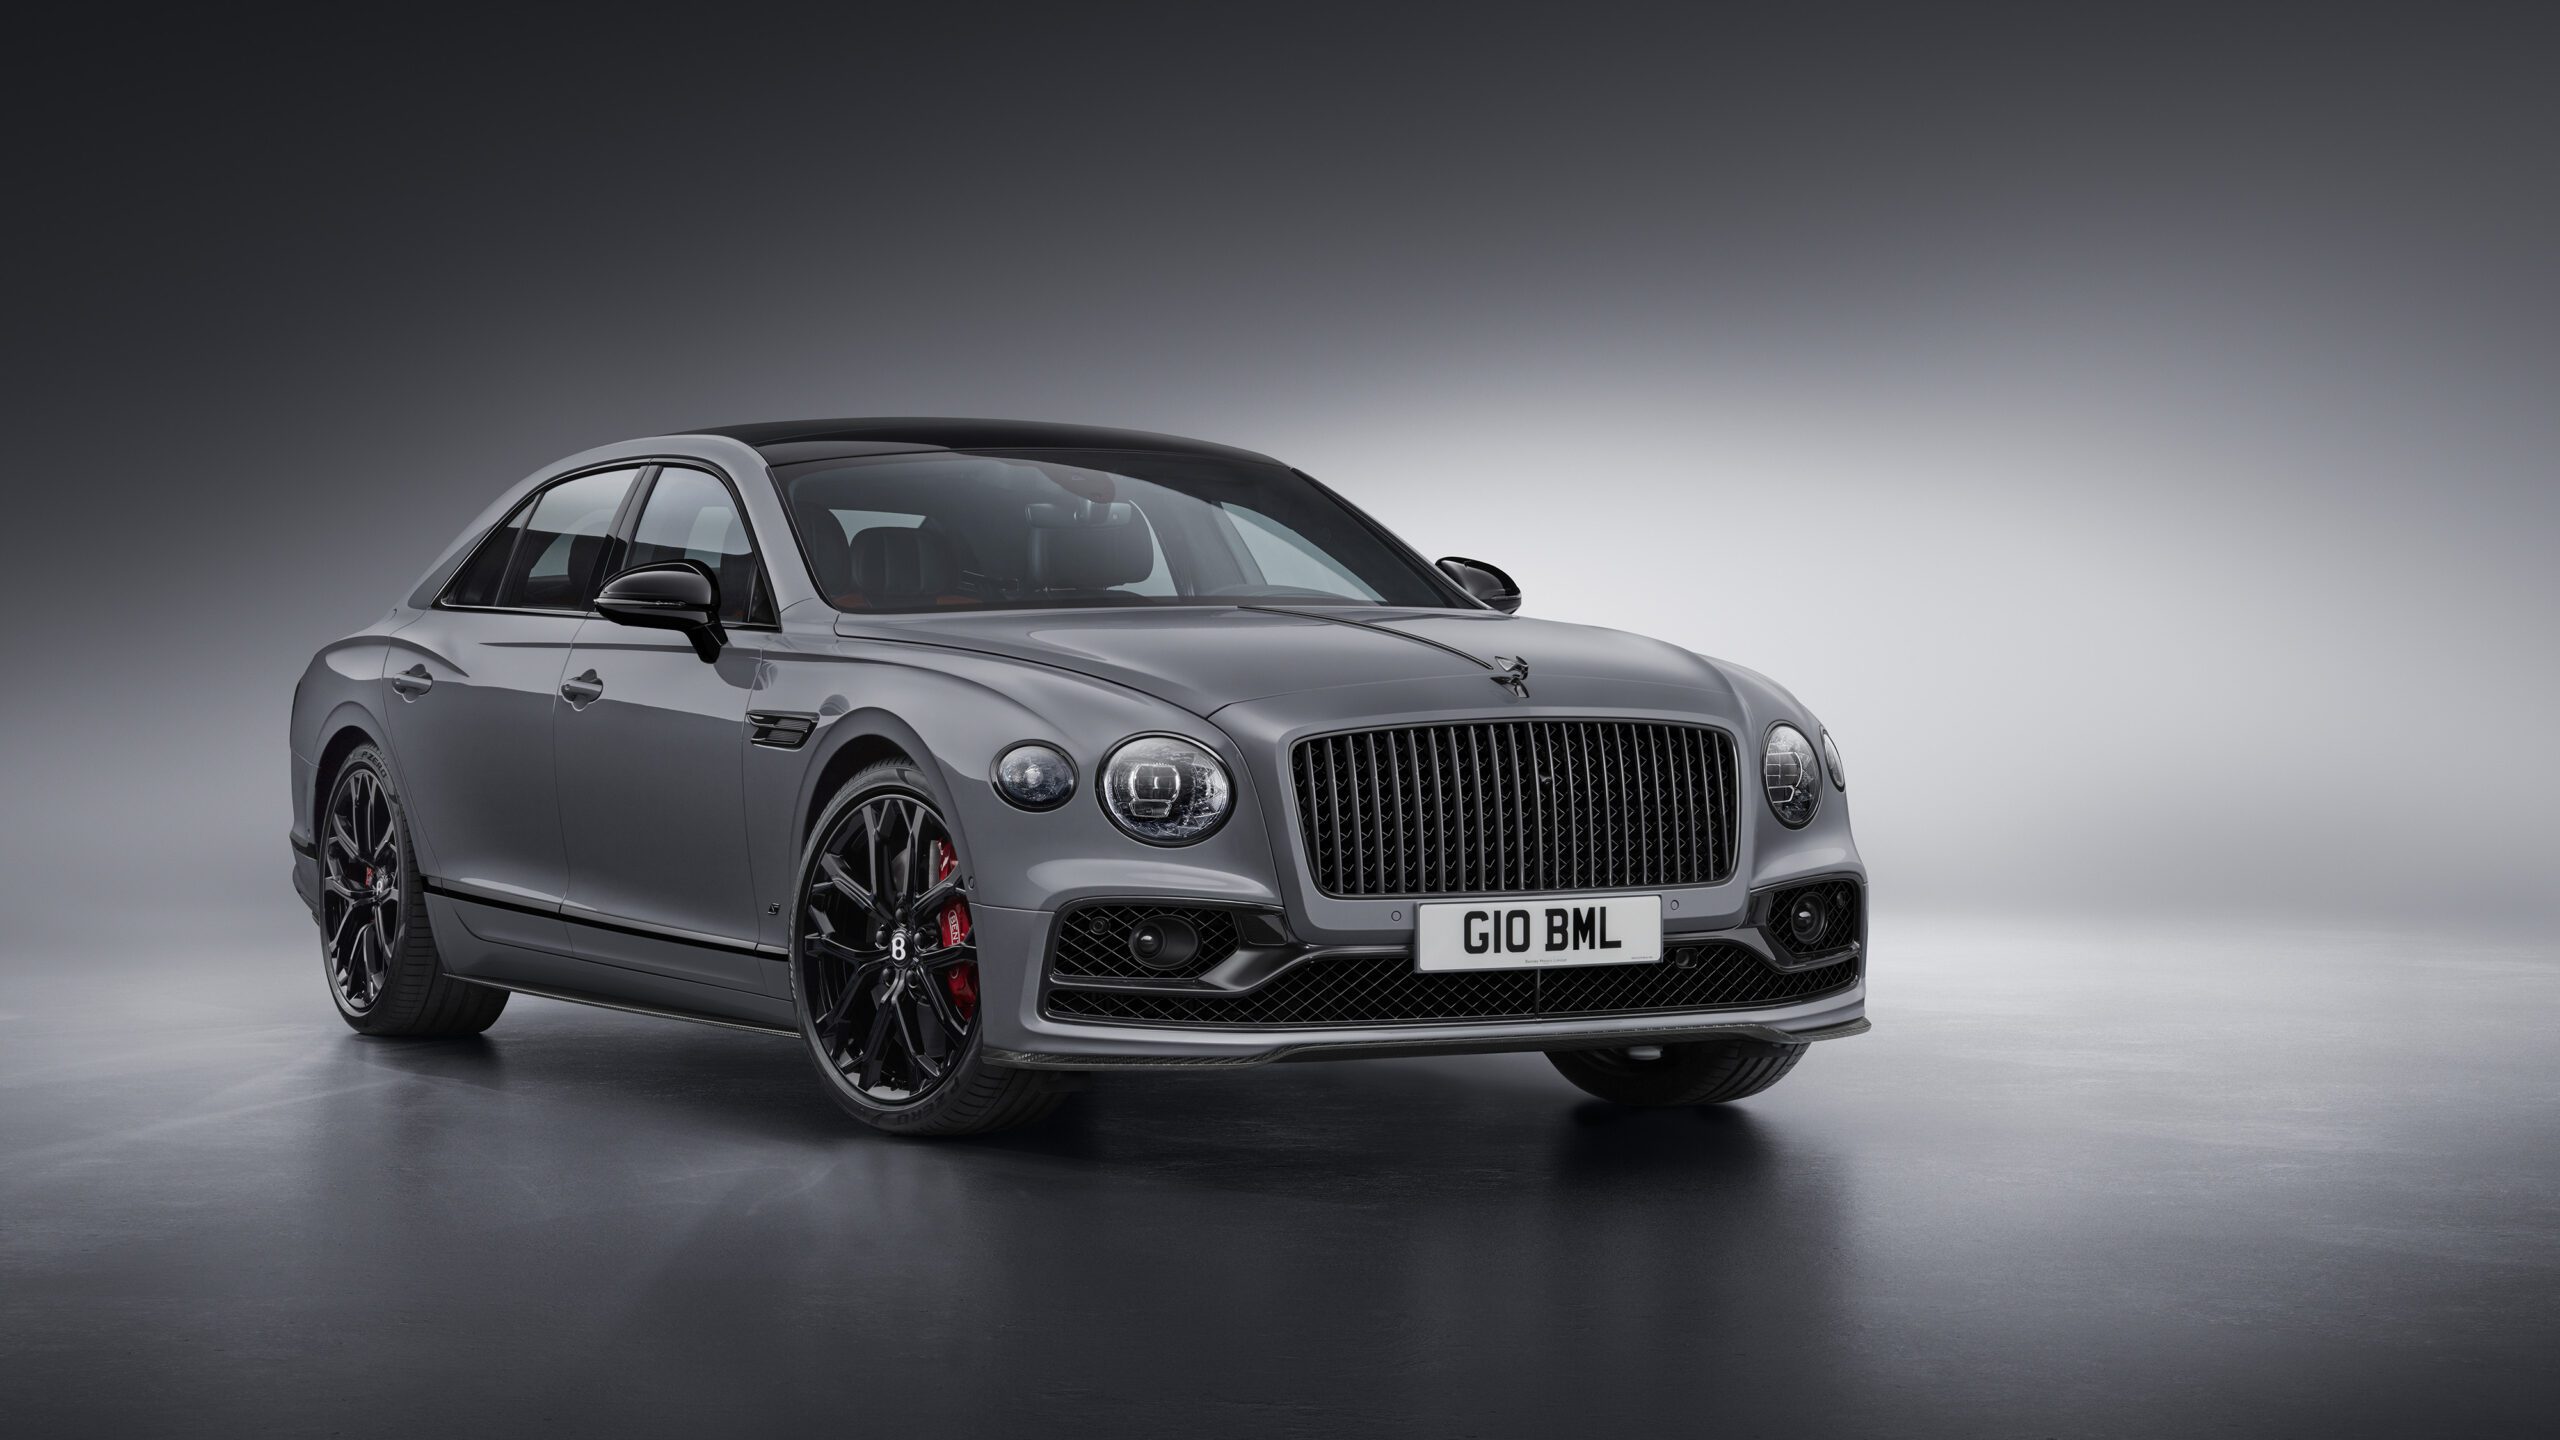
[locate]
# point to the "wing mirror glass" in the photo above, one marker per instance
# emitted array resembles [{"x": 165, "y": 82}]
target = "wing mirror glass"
[
  {"x": 679, "y": 595},
  {"x": 1488, "y": 583}
]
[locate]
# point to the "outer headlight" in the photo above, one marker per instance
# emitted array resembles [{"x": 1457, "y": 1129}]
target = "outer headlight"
[
  {"x": 1166, "y": 790},
  {"x": 1035, "y": 777},
  {"x": 1831, "y": 762},
  {"x": 1792, "y": 777}
]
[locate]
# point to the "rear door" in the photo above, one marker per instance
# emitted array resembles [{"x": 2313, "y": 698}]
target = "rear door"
[
  {"x": 470, "y": 706},
  {"x": 652, "y": 767}
]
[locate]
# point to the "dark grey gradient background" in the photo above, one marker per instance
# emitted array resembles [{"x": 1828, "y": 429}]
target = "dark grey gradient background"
[
  {"x": 2132, "y": 432},
  {"x": 2133, "y": 436}
]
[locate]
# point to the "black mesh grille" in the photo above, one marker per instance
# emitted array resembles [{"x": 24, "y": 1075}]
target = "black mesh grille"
[
  {"x": 1387, "y": 990},
  {"x": 1516, "y": 807},
  {"x": 1094, "y": 940},
  {"x": 1837, "y": 899}
]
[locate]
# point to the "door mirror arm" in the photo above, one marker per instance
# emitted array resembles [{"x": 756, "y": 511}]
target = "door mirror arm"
[{"x": 679, "y": 595}]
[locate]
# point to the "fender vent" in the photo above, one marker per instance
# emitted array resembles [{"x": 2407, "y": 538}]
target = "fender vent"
[{"x": 780, "y": 729}]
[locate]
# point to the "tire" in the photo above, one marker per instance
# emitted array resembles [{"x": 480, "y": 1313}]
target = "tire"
[
  {"x": 1704, "y": 1072},
  {"x": 377, "y": 946},
  {"x": 879, "y": 988}
]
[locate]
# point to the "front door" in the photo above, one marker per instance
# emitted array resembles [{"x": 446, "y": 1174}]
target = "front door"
[
  {"x": 472, "y": 684},
  {"x": 650, "y": 750}
]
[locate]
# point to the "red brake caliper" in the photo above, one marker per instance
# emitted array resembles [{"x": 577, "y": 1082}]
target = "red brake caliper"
[{"x": 960, "y": 979}]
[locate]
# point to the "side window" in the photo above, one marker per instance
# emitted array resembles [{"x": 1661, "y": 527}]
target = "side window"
[
  {"x": 548, "y": 554},
  {"x": 691, "y": 516}
]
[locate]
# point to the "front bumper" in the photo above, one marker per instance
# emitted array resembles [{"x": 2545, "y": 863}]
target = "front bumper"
[{"x": 1021, "y": 1031}]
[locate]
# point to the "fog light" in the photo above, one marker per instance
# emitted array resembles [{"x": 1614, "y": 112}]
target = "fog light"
[
  {"x": 1808, "y": 920},
  {"x": 1166, "y": 942}
]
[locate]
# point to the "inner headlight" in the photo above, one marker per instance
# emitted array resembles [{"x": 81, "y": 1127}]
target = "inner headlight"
[
  {"x": 1166, "y": 790},
  {"x": 1831, "y": 762},
  {"x": 1791, "y": 776}
]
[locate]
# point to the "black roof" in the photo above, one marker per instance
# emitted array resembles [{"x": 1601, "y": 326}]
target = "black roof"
[{"x": 958, "y": 434}]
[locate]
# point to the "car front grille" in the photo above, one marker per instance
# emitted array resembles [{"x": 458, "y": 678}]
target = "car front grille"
[
  {"x": 1516, "y": 807},
  {"x": 1387, "y": 990}
]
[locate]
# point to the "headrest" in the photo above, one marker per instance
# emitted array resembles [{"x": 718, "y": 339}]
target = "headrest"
[
  {"x": 900, "y": 562},
  {"x": 1091, "y": 557}
]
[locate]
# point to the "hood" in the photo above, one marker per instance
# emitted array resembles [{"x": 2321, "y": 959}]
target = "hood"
[{"x": 1206, "y": 658}]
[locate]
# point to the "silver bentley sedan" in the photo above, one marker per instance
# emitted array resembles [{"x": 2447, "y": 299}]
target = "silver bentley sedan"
[{"x": 980, "y": 754}]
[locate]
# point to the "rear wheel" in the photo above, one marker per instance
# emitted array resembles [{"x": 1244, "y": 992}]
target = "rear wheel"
[
  {"x": 1703, "y": 1072},
  {"x": 377, "y": 949},
  {"x": 884, "y": 969}
]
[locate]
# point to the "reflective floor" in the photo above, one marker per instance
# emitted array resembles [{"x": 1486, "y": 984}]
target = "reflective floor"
[{"x": 2075, "y": 1183}]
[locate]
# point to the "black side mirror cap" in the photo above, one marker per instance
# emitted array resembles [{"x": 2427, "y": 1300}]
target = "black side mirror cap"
[
  {"x": 680, "y": 595},
  {"x": 1489, "y": 583}
]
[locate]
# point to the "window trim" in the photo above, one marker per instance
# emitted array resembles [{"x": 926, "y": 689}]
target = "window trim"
[
  {"x": 642, "y": 470},
  {"x": 627, "y": 524},
  {"x": 626, "y": 519}
]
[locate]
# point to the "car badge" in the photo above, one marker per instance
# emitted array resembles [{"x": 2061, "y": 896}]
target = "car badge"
[{"x": 1514, "y": 676}]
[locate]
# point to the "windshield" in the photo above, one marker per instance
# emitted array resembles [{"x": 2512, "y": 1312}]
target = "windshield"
[{"x": 983, "y": 531}]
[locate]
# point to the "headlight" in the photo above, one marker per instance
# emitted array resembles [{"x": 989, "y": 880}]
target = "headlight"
[
  {"x": 1831, "y": 762},
  {"x": 1791, "y": 776},
  {"x": 1035, "y": 777},
  {"x": 1166, "y": 790}
]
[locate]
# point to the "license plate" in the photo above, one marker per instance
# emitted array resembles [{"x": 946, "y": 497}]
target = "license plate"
[{"x": 1492, "y": 935}]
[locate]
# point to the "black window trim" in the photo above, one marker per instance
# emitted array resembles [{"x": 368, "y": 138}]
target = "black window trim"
[
  {"x": 627, "y": 524},
  {"x": 626, "y": 519}
]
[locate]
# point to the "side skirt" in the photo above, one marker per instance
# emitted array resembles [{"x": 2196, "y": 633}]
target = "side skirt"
[{"x": 630, "y": 1008}]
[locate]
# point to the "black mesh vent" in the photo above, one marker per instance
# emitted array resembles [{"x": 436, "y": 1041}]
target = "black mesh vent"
[
  {"x": 1516, "y": 807},
  {"x": 1094, "y": 940},
  {"x": 1387, "y": 990},
  {"x": 1838, "y": 899}
]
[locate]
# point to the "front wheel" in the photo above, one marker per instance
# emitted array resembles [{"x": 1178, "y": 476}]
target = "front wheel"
[
  {"x": 1703, "y": 1072},
  {"x": 884, "y": 969}
]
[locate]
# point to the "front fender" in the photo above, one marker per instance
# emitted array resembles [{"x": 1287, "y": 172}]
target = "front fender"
[{"x": 954, "y": 713}]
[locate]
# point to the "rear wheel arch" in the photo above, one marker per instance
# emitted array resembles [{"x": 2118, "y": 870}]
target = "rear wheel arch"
[{"x": 346, "y": 735}]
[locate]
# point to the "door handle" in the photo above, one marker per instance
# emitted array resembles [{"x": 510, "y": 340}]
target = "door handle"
[
  {"x": 581, "y": 691},
  {"x": 413, "y": 682}
]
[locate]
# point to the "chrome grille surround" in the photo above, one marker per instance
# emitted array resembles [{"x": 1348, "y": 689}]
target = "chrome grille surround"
[{"x": 1516, "y": 807}]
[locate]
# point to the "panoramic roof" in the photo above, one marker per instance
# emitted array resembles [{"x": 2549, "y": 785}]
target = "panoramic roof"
[{"x": 962, "y": 434}]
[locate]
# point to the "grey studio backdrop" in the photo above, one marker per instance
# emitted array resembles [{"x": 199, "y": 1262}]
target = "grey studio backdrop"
[
  {"x": 2132, "y": 433},
  {"x": 2133, "y": 438}
]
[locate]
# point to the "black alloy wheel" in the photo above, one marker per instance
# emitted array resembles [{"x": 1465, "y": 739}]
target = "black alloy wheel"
[
  {"x": 361, "y": 900},
  {"x": 885, "y": 968},
  {"x": 377, "y": 946}
]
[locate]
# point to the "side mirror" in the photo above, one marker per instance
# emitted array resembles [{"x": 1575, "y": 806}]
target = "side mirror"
[
  {"x": 677, "y": 595},
  {"x": 1488, "y": 583}
]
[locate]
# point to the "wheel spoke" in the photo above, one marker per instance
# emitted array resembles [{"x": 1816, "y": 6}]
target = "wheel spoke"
[
  {"x": 342, "y": 891},
  {"x": 874, "y": 1049},
  {"x": 930, "y": 903},
  {"x": 856, "y": 959},
  {"x": 946, "y": 1010},
  {"x": 341, "y": 936},
  {"x": 341, "y": 840},
  {"x": 919, "y": 851},
  {"x": 842, "y": 880},
  {"x": 925, "y": 1068}
]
